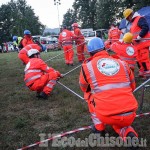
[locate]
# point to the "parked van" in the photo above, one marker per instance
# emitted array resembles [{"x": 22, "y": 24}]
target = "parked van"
[{"x": 101, "y": 33}]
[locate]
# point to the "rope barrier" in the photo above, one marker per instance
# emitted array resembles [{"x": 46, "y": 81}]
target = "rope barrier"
[
  {"x": 70, "y": 90},
  {"x": 64, "y": 52},
  {"x": 133, "y": 39},
  {"x": 141, "y": 85},
  {"x": 69, "y": 132},
  {"x": 71, "y": 70}
]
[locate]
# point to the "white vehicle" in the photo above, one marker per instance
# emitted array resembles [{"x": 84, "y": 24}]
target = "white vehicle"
[
  {"x": 101, "y": 33},
  {"x": 51, "y": 43}
]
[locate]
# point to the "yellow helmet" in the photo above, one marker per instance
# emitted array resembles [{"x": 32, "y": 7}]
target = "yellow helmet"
[
  {"x": 127, "y": 12},
  {"x": 128, "y": 37}
]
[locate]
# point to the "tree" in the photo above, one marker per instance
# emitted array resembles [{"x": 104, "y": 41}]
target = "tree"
[
  {"x": 101, "y": 13},
  {"x": 86, "y": 12},
  {"x": 69, "y": 18},
  {"x": 16, "y": 16}
]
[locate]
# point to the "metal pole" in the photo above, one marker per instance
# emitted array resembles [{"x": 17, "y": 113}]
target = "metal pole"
[
  {"x": 148, "y": 80},
  {"x": 70, "y": 90},
  {"x": 57, "y": 2}
]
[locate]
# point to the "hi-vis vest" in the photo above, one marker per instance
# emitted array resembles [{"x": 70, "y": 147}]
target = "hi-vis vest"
[
  {"x": 126, "y": 52},
  {"x": 135, "y": 30},
  {"x": 66, "y": 37},
  {"x": 28, "y": 47},
  {"x": 34, "y": 70},
  {"x": 109, "y": 81},
  {"x": 114, "y": 33}
]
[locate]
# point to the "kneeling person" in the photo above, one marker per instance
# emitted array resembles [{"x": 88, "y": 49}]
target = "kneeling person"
[
  {"x": 38, "y": 76},
  {"x": 111, "y": 83}
]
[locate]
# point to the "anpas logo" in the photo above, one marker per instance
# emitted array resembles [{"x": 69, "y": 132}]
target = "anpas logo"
[
  {"x": 64, "y": 34},
  {"x": 108, "y": 66},
  {"x": 130, "y": 51}
]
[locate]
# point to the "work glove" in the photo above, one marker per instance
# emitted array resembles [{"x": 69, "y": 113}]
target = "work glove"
[
  {"x": 138, "y": 39},
  {"x": 52, "y": 76},
  {"x": 58, "y": 74}
]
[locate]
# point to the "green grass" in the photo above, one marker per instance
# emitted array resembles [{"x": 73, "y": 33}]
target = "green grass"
[{"x": 23, "y": 117}]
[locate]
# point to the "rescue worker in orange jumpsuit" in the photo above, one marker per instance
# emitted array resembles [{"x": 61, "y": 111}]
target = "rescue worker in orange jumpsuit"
[
  {"x": 96, "y": 128},
  {"x": 27, "y": 39},
  {"x": 66, "y": 41},
  {"x": 38, "y": 76},
  {"x": 125, "y": 50},
  {"x": 23, "y": 52},
  {"x": 140, "y": 30},
  {"x": 80, "y": 42},
  {"x": 111, "y": 83},
  {"x": 113, "y": 36}
]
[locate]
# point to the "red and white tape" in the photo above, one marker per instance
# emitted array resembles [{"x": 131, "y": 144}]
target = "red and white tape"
[
  {"x": 57, "y": 136},
  {"x": 69, "y": 132}
]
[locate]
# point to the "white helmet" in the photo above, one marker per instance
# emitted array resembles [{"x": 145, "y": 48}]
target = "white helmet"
[{"x": 32, "y": 51}]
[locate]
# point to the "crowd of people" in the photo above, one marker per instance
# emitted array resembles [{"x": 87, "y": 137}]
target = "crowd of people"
[{"x": 107, "y": 81}]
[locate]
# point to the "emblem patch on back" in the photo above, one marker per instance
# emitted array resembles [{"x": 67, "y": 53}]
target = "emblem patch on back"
[
  {"x": 108, "y": 67},
  {"x": 130, "y": 51}
]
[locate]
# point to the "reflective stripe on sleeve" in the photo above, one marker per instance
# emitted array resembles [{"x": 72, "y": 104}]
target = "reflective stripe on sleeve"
[
  {"x": 33, "y": 70},
  {"x": 92, "y": 75},
  {"x": 32, "y": 78}
]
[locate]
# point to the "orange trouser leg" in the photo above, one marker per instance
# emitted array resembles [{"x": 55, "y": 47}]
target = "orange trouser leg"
[
  {"x": 39, "y": 84},
  {"x": 143, "y": 59},
  {"x": 80, "y": 52},
  {"x": 23, "y": 57},
  {"x": 71, "y": 54},
  {"x": 66, "y": 54},
  {"x": 99, "y": 125},
  {"x": 49, "y": 86},
  {"x": 43, "y": 84},
  {"x": 121, "y": 124}
]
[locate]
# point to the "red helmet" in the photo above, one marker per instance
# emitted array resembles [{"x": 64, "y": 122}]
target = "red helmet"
[{"x": 75, "y": 25}]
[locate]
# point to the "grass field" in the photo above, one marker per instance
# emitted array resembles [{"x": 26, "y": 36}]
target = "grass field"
[{"x": 23, "y": 117}]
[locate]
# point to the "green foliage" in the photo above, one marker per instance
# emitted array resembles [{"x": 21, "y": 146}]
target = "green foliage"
[
  {"x": 16, "y": 16},
  {"x": 101, "y": 13},
  {"x": 69, "y": 18}
]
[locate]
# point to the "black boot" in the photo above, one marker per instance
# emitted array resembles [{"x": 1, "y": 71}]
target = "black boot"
[
  {"x": 94, "y": 130},
  {"x": 43, "y": 95},
  {"x": 132, "y": 135}
]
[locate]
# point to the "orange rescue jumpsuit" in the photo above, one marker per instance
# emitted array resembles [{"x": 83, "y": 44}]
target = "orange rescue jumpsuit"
[
  {"x": 126, "y": 52},
  {"x": 89, "y": 99},
  {"x": 27, "y": 39},
  {"x": 114, "y": 34},
  {"x": 81, "y": 46},
  {"x": 66, "y": 40},
  {"x": 142, "y": 47},
  {"x": 23, "y": 52},
  {"x": 39, "y": 77},
  {"x": 111, "y": 82}
]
